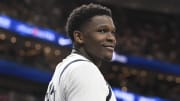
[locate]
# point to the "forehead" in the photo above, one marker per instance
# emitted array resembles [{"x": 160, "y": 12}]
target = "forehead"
[{"x": 100, "y": 20}]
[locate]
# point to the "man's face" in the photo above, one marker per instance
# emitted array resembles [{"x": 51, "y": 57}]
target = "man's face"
[{"x": 99, "y": 37}]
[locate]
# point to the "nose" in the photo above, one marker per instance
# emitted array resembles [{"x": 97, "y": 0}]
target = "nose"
[{"x": 111, "y": 37}]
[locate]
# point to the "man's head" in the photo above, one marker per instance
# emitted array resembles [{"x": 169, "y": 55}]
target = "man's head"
[
  {"x": 82, "y": 14},
  {"x": 91, "y": 27}
]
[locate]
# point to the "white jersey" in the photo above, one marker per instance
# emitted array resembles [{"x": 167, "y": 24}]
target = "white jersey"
[{"x": 77, "y": 79}]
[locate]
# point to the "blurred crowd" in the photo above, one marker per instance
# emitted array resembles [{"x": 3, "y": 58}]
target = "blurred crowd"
[
  {"x": 39, "y": 13},
  {"x": 146, "y": 34},
  {"x": 30, "y": 52},
  {"x": 155, "y": 36}
]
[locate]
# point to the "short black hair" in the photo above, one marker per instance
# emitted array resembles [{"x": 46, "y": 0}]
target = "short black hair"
[{"x": 82, "y": 14}]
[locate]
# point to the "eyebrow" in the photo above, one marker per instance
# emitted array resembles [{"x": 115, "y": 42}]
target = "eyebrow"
[{"x": 105, "y": 25}]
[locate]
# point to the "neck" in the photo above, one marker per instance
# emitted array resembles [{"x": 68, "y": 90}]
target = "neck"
[{"x": 84, "y": 53}]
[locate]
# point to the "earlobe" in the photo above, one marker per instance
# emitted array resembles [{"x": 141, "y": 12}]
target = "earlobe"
[{"x": 78, "y": 37}]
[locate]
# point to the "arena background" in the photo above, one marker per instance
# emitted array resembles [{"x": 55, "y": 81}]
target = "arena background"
[{"x": 146, "y": 64}]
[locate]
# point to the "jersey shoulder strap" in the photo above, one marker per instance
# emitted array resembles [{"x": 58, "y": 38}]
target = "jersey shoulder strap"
[{"x": 68, "y": 65}]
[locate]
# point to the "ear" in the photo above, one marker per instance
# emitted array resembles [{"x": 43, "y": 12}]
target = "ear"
[{"x": 78, "y": 37}]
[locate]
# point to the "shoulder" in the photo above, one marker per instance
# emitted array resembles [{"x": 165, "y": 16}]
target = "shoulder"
[
  {"x": 83, "y": 72},
  {"x": 84, "y": 78},
  {"x": 80, "y": 67},
  {"x": 72, "y": 65},
  {"x": 77, "y": 70},
  {"x": 75, "y": 62}
]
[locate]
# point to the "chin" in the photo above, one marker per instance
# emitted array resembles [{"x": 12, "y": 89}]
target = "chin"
[{"x": 108, "y": 58}]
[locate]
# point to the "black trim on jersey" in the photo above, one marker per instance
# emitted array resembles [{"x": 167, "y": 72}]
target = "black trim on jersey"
[
  {"x": 109, "y": 95},
  {"x": 68, "y": 65}
]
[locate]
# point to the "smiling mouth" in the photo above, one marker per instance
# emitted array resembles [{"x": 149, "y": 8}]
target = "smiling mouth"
[{"x": 109, "y": 47}]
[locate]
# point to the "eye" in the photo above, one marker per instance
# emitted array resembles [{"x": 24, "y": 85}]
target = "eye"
[
  {"x": 113, "y": 32},
  {"x": 102, "y": 30}
]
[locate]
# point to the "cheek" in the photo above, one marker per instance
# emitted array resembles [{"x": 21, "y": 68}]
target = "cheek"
[
  {"x": 94, "y": 41},
  {"x": 97, "y": 50},
  {"x": 94, "y": 46}
]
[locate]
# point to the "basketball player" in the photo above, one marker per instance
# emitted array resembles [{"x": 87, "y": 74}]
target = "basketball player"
[{"x": 77, "y": 77}]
